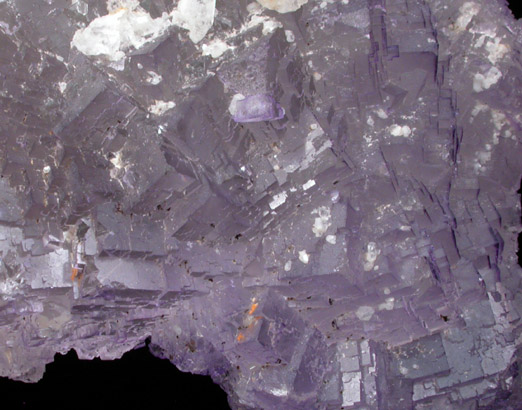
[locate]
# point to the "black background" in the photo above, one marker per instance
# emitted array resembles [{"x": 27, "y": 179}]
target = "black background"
[
  {"x": 136, "y": 381},
  {"x": 516, "y": 8}
]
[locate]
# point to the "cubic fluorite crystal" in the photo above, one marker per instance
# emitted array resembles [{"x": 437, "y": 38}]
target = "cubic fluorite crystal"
[{"x": 314, "y": 202}]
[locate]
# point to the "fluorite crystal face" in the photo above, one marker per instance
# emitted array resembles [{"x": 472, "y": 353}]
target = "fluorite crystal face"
[
  {"x": 255, "y": 108},
  {"x": 314, "y": 202}
]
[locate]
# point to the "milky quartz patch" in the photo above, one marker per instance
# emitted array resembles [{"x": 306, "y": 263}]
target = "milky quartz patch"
[
  {"x": 282, "y": 6},
  {"x": 130, "y": 27}
]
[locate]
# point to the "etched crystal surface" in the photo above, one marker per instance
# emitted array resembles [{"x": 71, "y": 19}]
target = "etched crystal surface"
[{"x": 314, "y": 202}]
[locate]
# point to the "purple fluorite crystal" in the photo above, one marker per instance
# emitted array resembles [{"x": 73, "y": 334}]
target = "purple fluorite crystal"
[
  {"x": 256, "y": 108},
  {"x": 360, "y": 252}
]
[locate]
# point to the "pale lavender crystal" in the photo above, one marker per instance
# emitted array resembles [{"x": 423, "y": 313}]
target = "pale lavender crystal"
[
  {"x": 344, "y": 236},
  {"x": 257, "y": 108}
]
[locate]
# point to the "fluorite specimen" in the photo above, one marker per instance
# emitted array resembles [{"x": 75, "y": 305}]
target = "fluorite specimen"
[
  {"x": 314, "y": 202},
  {"x": 255, "y": 108}
]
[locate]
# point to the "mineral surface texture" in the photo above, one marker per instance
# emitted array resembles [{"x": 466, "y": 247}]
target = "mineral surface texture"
[{"x": 313, "y": 202}]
